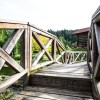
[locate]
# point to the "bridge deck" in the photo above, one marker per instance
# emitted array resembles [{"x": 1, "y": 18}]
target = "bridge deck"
[
  {"x": 78, "y": 70},
  {"x": 75, "y": 71}
]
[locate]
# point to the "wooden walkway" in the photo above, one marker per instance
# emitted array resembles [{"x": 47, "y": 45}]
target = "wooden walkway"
[
  {"x": 79, "y": 70},
  {"x": 58, "y": 82}
]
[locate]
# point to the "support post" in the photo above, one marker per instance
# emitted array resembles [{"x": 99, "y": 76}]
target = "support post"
[
  {"x": 26, "y": 54},
  {"x": 94, "y": 49},
  {"x": 54, "y": 49},
  {"x": 65, "y": 57}
]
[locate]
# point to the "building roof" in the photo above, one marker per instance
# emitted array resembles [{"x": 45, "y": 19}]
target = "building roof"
[{"x": 83, "y": 30}]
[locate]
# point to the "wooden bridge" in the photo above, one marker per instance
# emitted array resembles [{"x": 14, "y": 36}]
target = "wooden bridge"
[{"x": 67, "y": 75}]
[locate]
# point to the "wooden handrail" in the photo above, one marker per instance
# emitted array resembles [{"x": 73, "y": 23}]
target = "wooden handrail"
[
  {"x": 94, "y": 53},
  {"x": 25, "y": 32},
  {"x": 76, "y": 56}
]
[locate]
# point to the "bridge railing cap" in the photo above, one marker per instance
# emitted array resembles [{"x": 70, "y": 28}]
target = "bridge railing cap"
[
  {"x": 12, "y": 21},
  {"x": 96, "y": 13}
]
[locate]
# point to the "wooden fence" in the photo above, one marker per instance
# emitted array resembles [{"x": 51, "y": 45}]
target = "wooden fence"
[
  {"x": 25, "y": 32},
  {"x": 76, "y": 56},
  {"x": 94, "y": 53}
]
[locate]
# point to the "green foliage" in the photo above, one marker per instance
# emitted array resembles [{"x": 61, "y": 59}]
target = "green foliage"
[
  {"x": 17, "y": 56},
  {"x": 79, "y": 49},
  {"x": 3, "y": 37},
  {"x": 6, "y": 95},
  {"x": 8, "y": 71},
  {"x": 65, "y": 36},
  {"x": 35, "y": 46},
  {"x": 16, "y": 50}
]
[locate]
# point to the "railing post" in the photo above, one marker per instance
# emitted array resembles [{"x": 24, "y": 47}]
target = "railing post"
[
  {"x": 94, "y": 49},
  {"x": 54, "y": 50},
  {"x": 65, "y": 57},
  {"x": 26, "y": 53}
]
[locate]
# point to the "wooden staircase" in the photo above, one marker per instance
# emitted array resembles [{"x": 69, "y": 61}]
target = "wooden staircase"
[
  {"x": 59, "y": 82},
  {"x": 71, "y": 77},
  {"x": 47, "y": 93}
]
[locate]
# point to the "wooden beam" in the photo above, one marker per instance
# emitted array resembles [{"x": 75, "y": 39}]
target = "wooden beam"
[
  {"x": 60, "y": 44},
  {"x": 97, "y": 69},
  {"x": 77, "y": 57},
  {"x": 11, "y": 61},
  {"x": 58, "y": 62},
  {"x": 12, "y": 26},
  {"x": 41, "y": 65},
  {"x": 12, "y": 21},
  {"x": 46, "y": 34},
  {"x": 83, "y": 58},
  {"x": 76, "y": 51},
  {"x": 34, "y": 29},
  {"x": 65, "y": 58},
  {"x": 9, "y": 45},
  {"x": 5, "y": 84},
  {"x": 60, "y": 55},
  {"x": 96, "y": 13},
  {"x": 94, "y": 53},
  {"x": 40, "y": 54},
  {"x": 97, "y": 33},
  {"x": 41, "y": 45},
  {"x": 26, "y": 54},
  {"x": 68, "y": 57},
  {"x": 54, "y": 49}
]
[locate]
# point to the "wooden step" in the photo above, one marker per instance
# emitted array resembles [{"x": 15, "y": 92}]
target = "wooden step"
[
  {"x": 61, "y": 82},
  {"x": 71, "y": 76},
  {"x": 47, "y": 93}
]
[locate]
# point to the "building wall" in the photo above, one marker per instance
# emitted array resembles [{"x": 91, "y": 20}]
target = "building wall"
[{"x": 82, "y": 40}]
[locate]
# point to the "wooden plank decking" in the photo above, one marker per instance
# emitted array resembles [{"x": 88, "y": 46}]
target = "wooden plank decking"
[
  {"x": 58, "y": 75},
  {"x": 46, "y": 93},
  {"x": 79, "y": 70}
]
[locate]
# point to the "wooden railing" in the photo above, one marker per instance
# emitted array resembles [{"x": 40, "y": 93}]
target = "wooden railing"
[
  {"x": 76, "y": 56},
  {"x": 25, "y": 32},
  {"x": 94, "y": 53}
]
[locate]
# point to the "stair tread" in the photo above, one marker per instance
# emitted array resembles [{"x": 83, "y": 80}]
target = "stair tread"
[
  {"x": 46, "y": 93},
  {"x": 70, "y": 76},
  {"x": 63, "y": 75}
]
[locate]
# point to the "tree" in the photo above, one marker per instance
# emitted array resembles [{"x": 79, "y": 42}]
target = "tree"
[
  {"x": 35, "y": 46},
  {"x": 3, "y": 37},
  {"x": 65, "y": 36}
]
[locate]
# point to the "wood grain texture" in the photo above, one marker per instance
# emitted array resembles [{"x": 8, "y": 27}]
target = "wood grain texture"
[
  {"x": 12, "y": 26},
  {"x": 46, "y": 93},
  {"x": 10, "y": 60},
  {"x": 42, "y": 45},
  {"x": 9, "y": 45},
  {"x": 40, "y": 53},
  {"x": 5, "y": 84},
  {"x": 54, "y": 49}
]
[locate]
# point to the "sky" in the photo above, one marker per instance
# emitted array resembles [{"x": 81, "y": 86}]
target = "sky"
[{"x": 50, "y": 14}]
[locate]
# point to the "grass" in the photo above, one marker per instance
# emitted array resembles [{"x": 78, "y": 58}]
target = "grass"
[
  {"x": 6, "y": 95},
  {"x": 7, "y": 71},
  {"x": 17, "y": 57}
]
